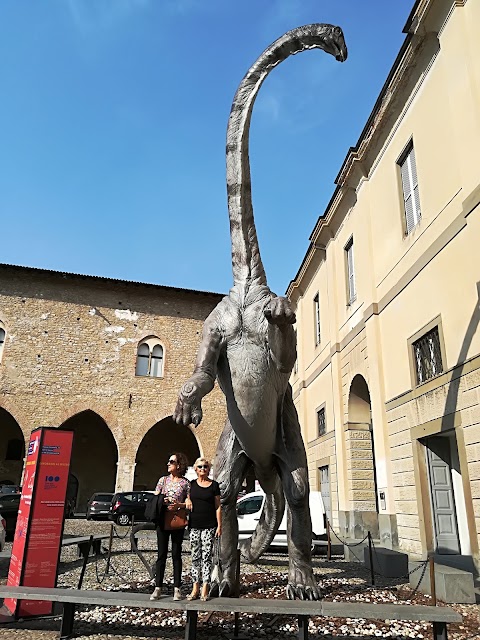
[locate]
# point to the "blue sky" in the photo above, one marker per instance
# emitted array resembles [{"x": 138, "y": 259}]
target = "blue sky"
[{"x": 112, "y": 130}]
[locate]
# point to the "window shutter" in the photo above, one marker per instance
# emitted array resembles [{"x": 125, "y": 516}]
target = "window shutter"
[
  {"x": 411, "y": 195},
  {"x": 351, "y": 273}
]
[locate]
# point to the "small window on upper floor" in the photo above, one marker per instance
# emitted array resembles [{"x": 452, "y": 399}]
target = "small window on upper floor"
[
  {"x": 321, "y": 424},
  {"x": 295, "y": 364},
  {"x": 2, "y": 339},
  {"x": 351, "y": 286},
  {"x": 428, "y": 356},
  {"x": 316, "y": 318},
  {"x": 411, "y": 197},
  {"x": 150, "y": 358}
]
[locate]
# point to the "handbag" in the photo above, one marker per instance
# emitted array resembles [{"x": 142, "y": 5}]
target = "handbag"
[
  {"x": 217, "y": 570},
  {"x": 174, "y": 520}
]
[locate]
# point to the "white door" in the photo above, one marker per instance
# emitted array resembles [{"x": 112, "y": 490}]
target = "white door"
[
  {"x": 443, "y": 500},
  {"x": 325, "y": 491}
]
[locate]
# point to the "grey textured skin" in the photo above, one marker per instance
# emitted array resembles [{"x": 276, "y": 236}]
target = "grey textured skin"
[{"x": 249, "y": 345}]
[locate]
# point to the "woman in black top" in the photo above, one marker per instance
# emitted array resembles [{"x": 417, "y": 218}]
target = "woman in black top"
[{"x": 205, "y": 523}]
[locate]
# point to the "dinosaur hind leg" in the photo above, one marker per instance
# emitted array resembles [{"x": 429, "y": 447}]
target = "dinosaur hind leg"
[
  {"x": 292, "y": 463},
  {"x": 231, "y": 466}
]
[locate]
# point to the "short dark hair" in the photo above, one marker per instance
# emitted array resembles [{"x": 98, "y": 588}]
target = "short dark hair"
[{"x": 182, "y": 462}]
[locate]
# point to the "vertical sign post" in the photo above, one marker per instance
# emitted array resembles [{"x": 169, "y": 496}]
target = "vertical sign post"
[{"x": 38, "y": 535}]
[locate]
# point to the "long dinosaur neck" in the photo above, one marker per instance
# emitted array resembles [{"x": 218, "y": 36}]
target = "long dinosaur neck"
[{"x": 246, "y": 261}]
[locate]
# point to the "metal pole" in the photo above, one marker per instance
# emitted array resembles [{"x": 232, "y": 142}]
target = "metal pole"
[
  {"x": 85, "y": 560},
  {"x": 110, "y": 542},
  {"x": 370, "y": 553},
  {"x": 329, "y": 542},
  {"x": 433, "y": 590}
]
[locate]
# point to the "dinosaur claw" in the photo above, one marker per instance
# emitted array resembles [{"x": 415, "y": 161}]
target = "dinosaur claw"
[
  {"x": 290, "y": 592},
  {"x": 300, "y": 592},
  {"x": 214, "y": 590}
]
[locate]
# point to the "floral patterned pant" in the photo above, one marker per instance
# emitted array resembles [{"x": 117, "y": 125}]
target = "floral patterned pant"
[{"x": 201, "y": 542}]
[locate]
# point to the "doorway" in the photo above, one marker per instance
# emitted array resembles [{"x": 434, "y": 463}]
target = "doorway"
[{"x": 450, "y": 531}]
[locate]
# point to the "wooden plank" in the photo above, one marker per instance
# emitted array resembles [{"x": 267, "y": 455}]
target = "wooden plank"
[
  {"x": 242, "y": 605},
  {"x": 373, "y": 611}
]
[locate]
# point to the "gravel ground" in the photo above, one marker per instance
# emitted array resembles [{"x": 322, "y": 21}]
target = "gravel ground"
[{"x": 339, "y": 581}]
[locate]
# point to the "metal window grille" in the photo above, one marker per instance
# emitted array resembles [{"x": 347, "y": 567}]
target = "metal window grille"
[
  {"x": 316, "y": 311},
  {"x": 428, "y": 356},
  {"x": 322, "y": 427},
  {"x": 352, "y": 290},
  {"x": 411, "y": 197}
]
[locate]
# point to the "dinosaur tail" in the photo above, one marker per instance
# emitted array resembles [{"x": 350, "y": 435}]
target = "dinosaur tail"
[{"x": 267, "y": 527}]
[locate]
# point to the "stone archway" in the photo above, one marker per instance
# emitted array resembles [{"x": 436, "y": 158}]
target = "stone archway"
[
  {"x": 12, "y": 449},
  {"x": 361, "y": 471},
  {"x": 94, "y": 456},
  {"x": 157, "y": 444}
]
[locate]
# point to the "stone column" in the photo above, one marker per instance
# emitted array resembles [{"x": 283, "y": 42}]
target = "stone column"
[{"x": 125, "y": 474}]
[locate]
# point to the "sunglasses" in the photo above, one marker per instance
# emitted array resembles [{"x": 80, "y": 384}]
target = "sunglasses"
[
  {"x": 172, "y": 462},
  {"x": 203, "y": 466}
]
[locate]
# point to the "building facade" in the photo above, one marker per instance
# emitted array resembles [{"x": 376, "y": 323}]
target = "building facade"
[
  {"x": 105, "y": 358},
  {"x": 387, "y": 381}
]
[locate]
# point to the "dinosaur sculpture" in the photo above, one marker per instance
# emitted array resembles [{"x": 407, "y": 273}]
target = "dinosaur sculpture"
[{"x": 249, "y": 344}]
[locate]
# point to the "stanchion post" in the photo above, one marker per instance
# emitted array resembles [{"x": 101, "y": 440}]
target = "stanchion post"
[
  {"x": 110, "y": 543},
  {"x": 370, "y": 553},
  {"x": 329, "y": 542},
  {"x": 433, "y": 590},
  {"x": 85, "y": 560}
]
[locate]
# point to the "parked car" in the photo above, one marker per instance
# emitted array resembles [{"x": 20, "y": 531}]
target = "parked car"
[
  {"x": 9, "y": 504},
  {"x": 10, "y": 488},
  {"x": 128, "y": 505},
  {"x": 249, "y": 509},
  {"x": 3, "y": 532},
  {"x": 98, "y": 507}
]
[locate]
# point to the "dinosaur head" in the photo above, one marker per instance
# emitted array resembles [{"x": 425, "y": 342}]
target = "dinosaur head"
[{"x": 332, "y": 41}]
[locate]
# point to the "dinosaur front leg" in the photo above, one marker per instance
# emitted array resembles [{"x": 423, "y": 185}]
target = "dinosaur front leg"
[
  {"x": 281, "y": 334},
  {"x": 230, "y": 467},
  {"x": 189, "y": 403}
]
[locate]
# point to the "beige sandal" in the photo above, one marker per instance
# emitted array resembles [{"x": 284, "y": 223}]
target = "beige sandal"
[{"x": 193, "y": 596}]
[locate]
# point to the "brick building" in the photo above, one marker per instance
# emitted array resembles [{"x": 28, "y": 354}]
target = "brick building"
[{"x": 104, "y": 358}]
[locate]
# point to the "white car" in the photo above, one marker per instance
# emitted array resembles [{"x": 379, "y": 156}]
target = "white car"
[
  {"x": 3, "y": 525},
  {"x": 250, "y": 506}
]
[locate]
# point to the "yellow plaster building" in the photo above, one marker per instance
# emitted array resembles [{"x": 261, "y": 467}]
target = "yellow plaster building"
[{"x": 387, "y": 381}]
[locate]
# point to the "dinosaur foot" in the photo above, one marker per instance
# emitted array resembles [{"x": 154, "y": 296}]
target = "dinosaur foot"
[
  {"x": 302, "y": 586},
  {"x": 223, "y": 589}
]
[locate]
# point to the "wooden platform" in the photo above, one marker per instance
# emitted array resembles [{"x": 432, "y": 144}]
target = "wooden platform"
[{"x": 301, "y": 609}]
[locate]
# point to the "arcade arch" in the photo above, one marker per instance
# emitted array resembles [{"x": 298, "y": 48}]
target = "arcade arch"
[
  {"x": 362, "y": 477},
  {"x": 93, "y": 466},
  {"x": 12, "y": 449},
  {"x": 157, "y": 444}
]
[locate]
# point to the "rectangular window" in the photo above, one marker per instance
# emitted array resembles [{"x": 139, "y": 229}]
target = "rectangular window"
[
  {"x": 428, "y": 356},
  {"x": 411, "y": 198},
  {"x": 322, "y": 427},
  {"x": 351, "y": 289},
  {"x": 295, "y": 366},
  {"x": 316, "y": 318}
]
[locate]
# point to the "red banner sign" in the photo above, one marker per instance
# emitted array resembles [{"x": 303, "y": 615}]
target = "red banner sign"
[{"x": 38, "y": 535}]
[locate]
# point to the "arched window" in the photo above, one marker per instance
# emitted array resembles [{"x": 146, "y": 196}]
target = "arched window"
[
  {"x": 143, "y": 357},
  {"x": 2, "y": 339},
  {"x": 150, "y": 358}
]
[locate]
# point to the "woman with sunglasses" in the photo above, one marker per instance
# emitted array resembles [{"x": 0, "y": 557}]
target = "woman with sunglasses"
[
  {"x": 176, "y": 490},
  {"x": 205, "y": 523}
]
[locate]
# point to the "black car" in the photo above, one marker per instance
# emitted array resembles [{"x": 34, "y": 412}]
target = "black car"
[
  {"x": 9, "y": 504},
  {"x": 98, "y": 506},
  {"x": 128, "y": 505}
]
